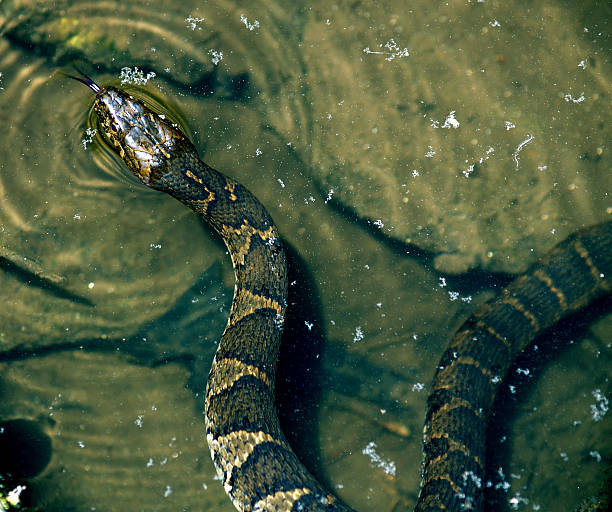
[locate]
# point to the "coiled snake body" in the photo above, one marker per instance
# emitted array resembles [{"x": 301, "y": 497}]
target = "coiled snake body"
[{"x": 258, "y": 469}]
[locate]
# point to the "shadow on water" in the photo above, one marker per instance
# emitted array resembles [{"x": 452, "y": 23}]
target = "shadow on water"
[
  {"x": 299, "y": 376},
  {"x": 49, "y": 285}
]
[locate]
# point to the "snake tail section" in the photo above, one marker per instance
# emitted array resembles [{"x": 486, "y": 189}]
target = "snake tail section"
[
  {"x": 259, "y": 471},
  {"x": 574, "y": 273}
]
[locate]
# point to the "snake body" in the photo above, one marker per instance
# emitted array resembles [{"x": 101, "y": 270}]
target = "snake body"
[{"x": 258, "y": 468}]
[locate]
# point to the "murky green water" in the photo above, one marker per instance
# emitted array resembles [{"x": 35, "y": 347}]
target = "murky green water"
[{"x": 334, "y": 116}]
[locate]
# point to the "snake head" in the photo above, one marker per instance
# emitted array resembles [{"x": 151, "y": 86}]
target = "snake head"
[{"x": 145, "y": 141}]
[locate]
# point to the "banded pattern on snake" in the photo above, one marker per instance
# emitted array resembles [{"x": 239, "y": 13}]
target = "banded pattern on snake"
[{"x": 258, "y": 469}]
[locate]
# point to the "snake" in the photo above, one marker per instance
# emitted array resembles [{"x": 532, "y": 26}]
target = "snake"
[{"x": 254, "y": 461}]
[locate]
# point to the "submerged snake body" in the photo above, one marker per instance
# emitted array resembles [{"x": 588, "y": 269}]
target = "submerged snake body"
[{"x": 258, "y": 469}]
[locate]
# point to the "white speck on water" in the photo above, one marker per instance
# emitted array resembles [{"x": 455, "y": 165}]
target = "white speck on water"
[
  {"x": 503, "y": 484},
  {"x": 509, "y": 125},
  {"x": 14, "y": 496},
  {"x": 569, "y": 97},
  {"x": 391, "y": 49},
  {"x": 519, "y": 149},
  {"x": 473, "y": 477},
  {"x": 279, "y": 320},
  {"x": 309, "y": 325},
  {"x": 469, "y": 170},
  {"x": 359, "y": 335},
  {"x": 379, "y": 223},
  {"x": 193, "y": 22},
  {"x": 153, "y": 245},
  {"x": 495, "y": 23},
  {"x": 522, "y": 371},
  {"x": 217, "y": 56},
  {"x": 387, "y": 466},
  {"x": 329, "y": 195},
  {"x": 415, "y": 173},
  {"x": 258, "y": 152},
  {"x": 430, "y": 153},
  {"x": 419, "y": 386},
  {"x": 564, "y": 456},
  {"x": 451, "y": 121},
  {"x": 442, "y": 282},
  {"x": 601, "y": 406},
  {"x": 91, "y": 133},
  {"x": 135, "y": 76},
  {"x": 250, "y": 26},
  {"x": 596, "y": 455},
  {"x": 516, "y": 500},
  {"x": 138, "y": 420}
]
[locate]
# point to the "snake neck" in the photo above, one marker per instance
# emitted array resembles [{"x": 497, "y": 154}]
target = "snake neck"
[{"x": 250, "y": 235}]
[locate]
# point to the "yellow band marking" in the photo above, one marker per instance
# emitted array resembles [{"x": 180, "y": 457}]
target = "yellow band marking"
[
  {"x": 584, "y": 254},
  {"x": 228, "y": 371},
  {"x": 432, "y": 500},
  {"x": 230, "y": 186},
  {"x": 442, "y": 375},
  {"x": 462, "y": 337},
  {"x": 545, "y": 278},
  {"x": 518, "y": 305},
  {"x": 240, "y": 239},
  {"x": 195, "y": 178},
  {"x": 231, "y": 451},
  {"x": 246, "y": 228},
  {"x": 201, "y": 205},
  {"x": 495, "y": 334},
  {"x": 246, "y": 302},
  {"x": 454, "y": 446},
  {"x": 455, "y": 403},
  {"x": 453, "y": 485},
  {"x": 284, "y": 500}
]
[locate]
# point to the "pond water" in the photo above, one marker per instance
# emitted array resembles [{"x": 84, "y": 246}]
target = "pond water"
[{"x": 414, "y": 159}]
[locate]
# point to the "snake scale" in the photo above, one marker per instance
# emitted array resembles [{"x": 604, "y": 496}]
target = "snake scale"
[{"x": 258, "y": 468}]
